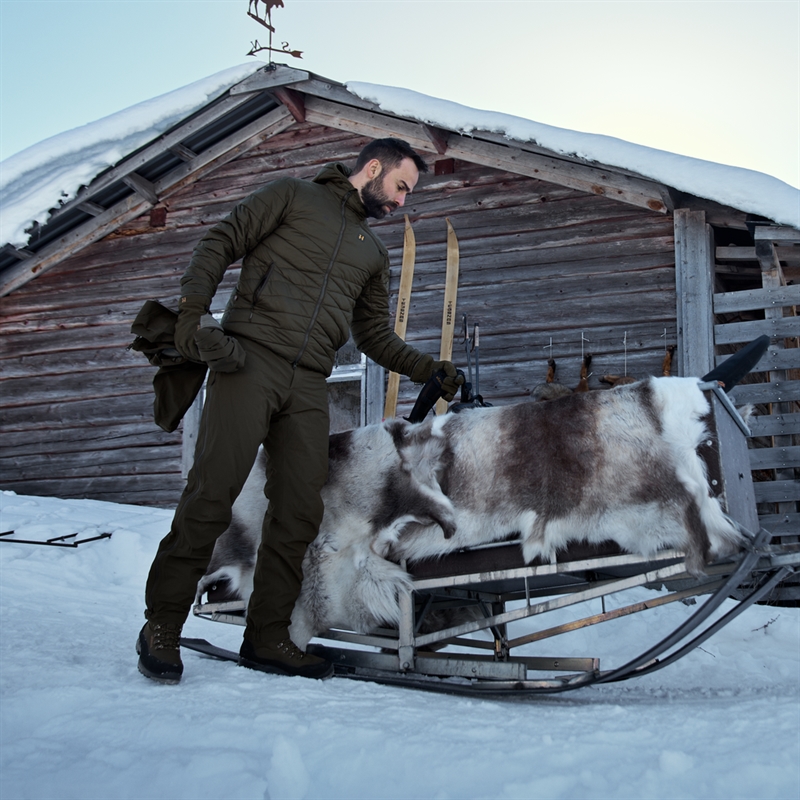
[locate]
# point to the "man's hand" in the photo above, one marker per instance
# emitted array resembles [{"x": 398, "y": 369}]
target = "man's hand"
[
  {"x": 426, "y": 367},
  {"x": 190, "y": 309},
  {"x": 221, "y": 352}
]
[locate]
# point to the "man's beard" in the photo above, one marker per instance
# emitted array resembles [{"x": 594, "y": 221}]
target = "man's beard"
[{"x": 375, "y": 200}]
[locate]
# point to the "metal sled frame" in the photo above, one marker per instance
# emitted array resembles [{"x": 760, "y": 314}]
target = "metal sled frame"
[{"x": 501, "y": 593}]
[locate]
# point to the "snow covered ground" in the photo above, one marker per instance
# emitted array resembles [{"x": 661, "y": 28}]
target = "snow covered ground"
[{"x": 78, "y": 720}]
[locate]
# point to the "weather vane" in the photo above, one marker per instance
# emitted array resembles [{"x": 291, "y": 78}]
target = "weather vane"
[{"x": 266, "y": 21}]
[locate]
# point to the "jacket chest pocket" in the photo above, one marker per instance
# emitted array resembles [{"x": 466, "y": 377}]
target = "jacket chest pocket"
[
  {"x": 257, "y": 292},
  {"x": 240, "y": 297}
]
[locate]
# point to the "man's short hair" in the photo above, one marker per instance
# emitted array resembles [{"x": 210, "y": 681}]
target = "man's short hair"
[{"x": 390, "y": 152}]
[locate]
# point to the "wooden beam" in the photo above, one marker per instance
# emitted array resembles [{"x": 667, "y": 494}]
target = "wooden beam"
[
  {"x": 280, "y": 75},
  {"x": 634, "y": 191},
  {"x": 444, "y": 166},
  {"x": 241, "y": 141},
  {"x": 335, "y": 92},
  {"x": 141, "y": 186},
  {"x": 773, "y": 234},
  {"x": 781, "y": 492},
  {"x": 18, "y": 252},
  {"x": 531, "y": 147},
  {"x": 438, "y": 136},
  {"x": 789, "y": 255},
  {"x": 756, "y": 299},
  {"x": 778, "y": 393},
  {"x": 91, "y": 208},
  {"x": 782, "y": 424},
  {"x": 134, "y": 205},
  {"x": 78, "y": 238},
  {"x": 787, "y": 457},
  {"x": 694, "y": 283},
  {"x": 366, "y": 123},
  {"x": 772, "y": 360},
  {"x": 158, "y": 147},
  {"x": 776, "y": 328},
  {"x": 771, "y": 269},
  {"x": 294, "y": 102},
  {"x": 182, "y": 151}
]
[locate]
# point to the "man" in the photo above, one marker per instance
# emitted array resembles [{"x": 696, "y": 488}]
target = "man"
[{"x": 312, "y": 271}]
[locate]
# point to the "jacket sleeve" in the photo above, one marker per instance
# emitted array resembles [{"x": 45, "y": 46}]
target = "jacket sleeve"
[
  {"x": 372, "y": 332},
  {"x": 233, "y": 237}
]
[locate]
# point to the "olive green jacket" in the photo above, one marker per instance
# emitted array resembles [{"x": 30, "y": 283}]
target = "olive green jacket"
[{"x": 312, "y": 271}]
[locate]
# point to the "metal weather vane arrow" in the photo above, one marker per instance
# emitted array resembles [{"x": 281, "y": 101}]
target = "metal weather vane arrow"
[{"x": 266, "y": 21}]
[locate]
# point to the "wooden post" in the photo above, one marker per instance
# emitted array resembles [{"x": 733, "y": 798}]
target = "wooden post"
[
  {"x": 694, "y": 284},
  {"x": 375, "y": 393}
]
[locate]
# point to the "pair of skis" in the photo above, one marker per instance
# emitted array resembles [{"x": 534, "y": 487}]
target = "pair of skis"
[{"x": 404, "y": 300}]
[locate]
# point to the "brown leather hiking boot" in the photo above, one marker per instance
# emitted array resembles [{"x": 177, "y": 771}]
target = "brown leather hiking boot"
[
  {"x": 283, "y": 658},
  {"x": 159, "y": 652}
]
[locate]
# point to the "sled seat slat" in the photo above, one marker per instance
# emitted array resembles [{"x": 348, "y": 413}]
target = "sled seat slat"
[{"x": 507, "y": 555}]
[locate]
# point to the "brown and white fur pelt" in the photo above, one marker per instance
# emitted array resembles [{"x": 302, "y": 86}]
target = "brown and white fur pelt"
[{"x": 620, "y": 464}]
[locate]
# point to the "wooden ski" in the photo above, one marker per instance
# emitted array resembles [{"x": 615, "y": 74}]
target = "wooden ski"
[
  {"x": 401, "y": 317},
  {"x": 449, "y": 311}
]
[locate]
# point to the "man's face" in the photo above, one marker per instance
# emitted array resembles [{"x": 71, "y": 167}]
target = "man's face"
[{"x": 387, "y": 191}]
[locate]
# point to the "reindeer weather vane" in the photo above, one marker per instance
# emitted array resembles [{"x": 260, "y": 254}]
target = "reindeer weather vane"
[{"x": 266, "y": 21}]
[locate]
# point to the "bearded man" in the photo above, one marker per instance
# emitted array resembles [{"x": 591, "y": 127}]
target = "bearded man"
[{"x": 312, "y": 272}]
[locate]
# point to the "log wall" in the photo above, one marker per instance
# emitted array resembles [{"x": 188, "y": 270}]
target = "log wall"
[
  {"x": 538, "y": 263},
  {"x": 544, "y": 270}
]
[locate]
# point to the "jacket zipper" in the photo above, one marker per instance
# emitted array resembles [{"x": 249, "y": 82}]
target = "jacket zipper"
[
  {"x": 259, "y": 289},
  {"x": 324, "y": 281}
]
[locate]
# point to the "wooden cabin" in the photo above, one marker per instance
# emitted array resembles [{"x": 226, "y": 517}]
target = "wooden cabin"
[{"x": 559, "y": 257}]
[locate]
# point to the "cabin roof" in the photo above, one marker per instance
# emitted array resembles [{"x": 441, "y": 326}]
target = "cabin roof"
[{"x": 75, "y": 188}]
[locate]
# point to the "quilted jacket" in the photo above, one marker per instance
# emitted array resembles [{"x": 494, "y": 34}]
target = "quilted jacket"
[{"x": 312, "y": 271}]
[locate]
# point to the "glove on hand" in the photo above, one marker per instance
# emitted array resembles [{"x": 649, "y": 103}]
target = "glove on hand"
[
  {"x": 426, "y": 367},
  {"x": 190, "y": 309},
  {"x": 221, "y": 352}
]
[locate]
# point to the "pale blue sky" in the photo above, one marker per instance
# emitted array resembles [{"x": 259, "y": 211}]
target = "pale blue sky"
[{"x": 715, "y": 79}]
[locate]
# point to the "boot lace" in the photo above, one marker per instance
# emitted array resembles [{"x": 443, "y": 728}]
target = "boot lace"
[
  {"x": 166, "y": 637},
  {"x": 290, "y": 649}
]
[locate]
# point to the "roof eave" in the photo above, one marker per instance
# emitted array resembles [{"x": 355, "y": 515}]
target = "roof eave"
[{"x": 270, "y": 101}]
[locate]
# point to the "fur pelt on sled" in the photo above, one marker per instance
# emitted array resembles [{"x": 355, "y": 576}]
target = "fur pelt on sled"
[{"x": 620, "y": 464}]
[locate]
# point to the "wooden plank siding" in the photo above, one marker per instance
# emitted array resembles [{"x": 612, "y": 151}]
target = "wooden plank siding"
[
  {"x": 76, "y": 405},
  {"x": 539, "y": 262},
  {"x": 773, "y": 387}
]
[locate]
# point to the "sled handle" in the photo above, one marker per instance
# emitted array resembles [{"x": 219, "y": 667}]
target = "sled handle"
[{"x": 429, "y": 394}]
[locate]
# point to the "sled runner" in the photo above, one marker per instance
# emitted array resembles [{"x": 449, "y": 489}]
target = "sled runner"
[
  {"x": 470, "y": 614},
  {"x": 509, "y": 595}
]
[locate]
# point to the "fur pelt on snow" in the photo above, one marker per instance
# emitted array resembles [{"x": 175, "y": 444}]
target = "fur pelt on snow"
[{"x": 620, "y": 464}]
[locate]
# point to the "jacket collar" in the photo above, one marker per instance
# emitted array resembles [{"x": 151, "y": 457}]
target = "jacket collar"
[{"x": 335, "y": 177}]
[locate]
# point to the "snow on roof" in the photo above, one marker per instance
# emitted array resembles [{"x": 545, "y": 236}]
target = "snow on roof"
[
  {"x": 33, "y": 180},
  {"x": 743, "y": 189}
]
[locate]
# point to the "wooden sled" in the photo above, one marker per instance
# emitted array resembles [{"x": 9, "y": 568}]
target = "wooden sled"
[{"x": 497, "y": 604}]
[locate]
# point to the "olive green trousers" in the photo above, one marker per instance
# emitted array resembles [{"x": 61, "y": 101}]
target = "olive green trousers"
[{"x": 285, "y": 408}]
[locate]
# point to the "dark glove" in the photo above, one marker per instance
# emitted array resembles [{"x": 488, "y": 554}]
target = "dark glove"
[
  {"x": 426, "y": 367},
  {"x": 190, "y": 309},
  {"x": 221, "y": 352}
]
